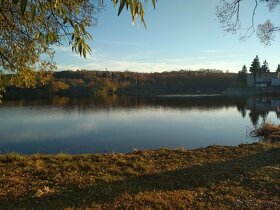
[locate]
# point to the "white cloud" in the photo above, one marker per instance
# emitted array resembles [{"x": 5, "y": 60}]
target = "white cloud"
[
  {"x": 183, "y": 59},
  {"x": 139, "y": 66},
  {"x": 116, "y": 42},
  {"x": 135, "y": 62},
  {"x": 67, "y": 67},
  {"x": 63, "y": 48},
  {"x": 212, "y": 51},
  {"x": 201, "y": 58}
]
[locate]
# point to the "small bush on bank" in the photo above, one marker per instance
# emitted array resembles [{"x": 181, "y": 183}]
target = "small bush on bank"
[{"x": 267, "y": 132}]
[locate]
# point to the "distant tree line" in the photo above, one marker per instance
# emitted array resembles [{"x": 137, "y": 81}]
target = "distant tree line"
[{"x": 76, "y": 83}]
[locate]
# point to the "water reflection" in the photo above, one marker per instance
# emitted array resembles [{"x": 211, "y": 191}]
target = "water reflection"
[
  {"x": 259, "y": 108},
  {"x": 119, "y": 124},
  {"x": 184, "y": 103}
]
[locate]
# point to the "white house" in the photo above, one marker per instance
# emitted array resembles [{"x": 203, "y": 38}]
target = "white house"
[{"x": 269, "y": 79}]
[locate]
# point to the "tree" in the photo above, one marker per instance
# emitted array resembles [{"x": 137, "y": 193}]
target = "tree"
[
  {"x": 278, "y": 68},
  {"x": 255, "y": 66},
  {"x": 242, "y": 76},
  {"x": 265, "y": 68},
  {"x": 30, "y": 28},
  {"x": 244, "y": 69},
  {"x": 59, "y": 86},
  {"x": 228, "y": 13}
]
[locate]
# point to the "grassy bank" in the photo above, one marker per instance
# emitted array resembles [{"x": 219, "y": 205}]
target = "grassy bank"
[{"x": 216, "y": 177}]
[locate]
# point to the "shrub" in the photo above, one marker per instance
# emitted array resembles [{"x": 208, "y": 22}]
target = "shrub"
[
  {"x": 58, "y": 86},
  {"x": 267, "y": 132}
]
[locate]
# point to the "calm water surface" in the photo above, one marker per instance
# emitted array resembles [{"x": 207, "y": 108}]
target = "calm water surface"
[{"x": 120, "y": 124}]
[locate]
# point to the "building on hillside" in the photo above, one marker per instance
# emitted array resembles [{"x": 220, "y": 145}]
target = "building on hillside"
[{"x": 269, "y": 79}]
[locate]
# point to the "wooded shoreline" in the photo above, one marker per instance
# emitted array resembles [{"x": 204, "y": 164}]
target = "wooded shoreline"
[
  {"x": 104, "y": 83},
  {"x": 89, "y": 83}
]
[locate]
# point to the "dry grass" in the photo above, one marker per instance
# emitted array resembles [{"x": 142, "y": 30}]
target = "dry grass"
[
  {"x": 216, "y": 177},
  {"x": 267, "y": 132}
]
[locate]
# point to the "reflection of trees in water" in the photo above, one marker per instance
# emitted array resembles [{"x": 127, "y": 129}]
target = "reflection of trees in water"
[
  {"x": 113, "y": 102},
  {"x": 257, "y": 108},
  {"x": 255, "y": 115},
  {"x": 277, "y": 114},
  {"x": 241, "y": 107},
  {"x": 264, "y": 116}
]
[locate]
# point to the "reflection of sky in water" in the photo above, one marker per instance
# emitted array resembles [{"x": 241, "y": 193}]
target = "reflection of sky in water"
[{"x": 49, "y": 129}]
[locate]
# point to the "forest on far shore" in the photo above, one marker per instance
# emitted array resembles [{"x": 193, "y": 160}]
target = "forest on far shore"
[{"x": 86, "y": 83}]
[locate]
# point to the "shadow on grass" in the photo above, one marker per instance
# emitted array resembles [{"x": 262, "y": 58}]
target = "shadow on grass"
[{"x": 185, "y": 178}]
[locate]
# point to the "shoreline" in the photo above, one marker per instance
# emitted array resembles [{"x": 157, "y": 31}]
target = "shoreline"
[{"x": 269, "y": 91}]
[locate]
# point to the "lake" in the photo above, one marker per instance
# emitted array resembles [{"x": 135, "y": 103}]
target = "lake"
[{"x": 122, "y": 124}]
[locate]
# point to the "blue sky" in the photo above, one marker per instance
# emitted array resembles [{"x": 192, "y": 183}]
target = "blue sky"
[{"x": 180, "y": 35}]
